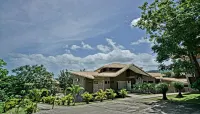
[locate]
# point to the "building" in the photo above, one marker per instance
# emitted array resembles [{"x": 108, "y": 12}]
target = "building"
[
  {"x": 161, "y": 78},
  {"x": 115, "y": 76}
]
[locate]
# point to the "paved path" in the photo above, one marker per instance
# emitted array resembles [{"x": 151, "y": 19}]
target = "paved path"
[{"x": 130, "y": 105}]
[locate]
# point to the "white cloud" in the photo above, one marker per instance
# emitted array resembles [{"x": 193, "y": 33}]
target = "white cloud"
[
  {"x": 140, "y": 41},
  {"x": 113, "y": 44},
  {"x": 75, "y": 47},
  {"x": 89, "y": 62},
  {"x": 134, "y": 22},
  {"x": 86, "y": 46},
  {"x": 103, "y": 48}
]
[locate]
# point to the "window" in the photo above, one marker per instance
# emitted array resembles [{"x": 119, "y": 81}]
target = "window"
[
  {"x": 105, "y": 82},
  {"x": 150, "y": 81},
  {"x": 108, "y": 82},
  {"x": 95, "y": 82}
]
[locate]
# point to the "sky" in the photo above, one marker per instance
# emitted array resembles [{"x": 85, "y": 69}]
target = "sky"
[{"x": 73, "y": 34}]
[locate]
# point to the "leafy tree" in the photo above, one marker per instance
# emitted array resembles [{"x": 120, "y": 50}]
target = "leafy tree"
[
  {"x": 196, "y": 85},
  {"x": 65, "y": 79},
  {"x": 179, "y": 86},
  {"x": 174, "y": 27},
  {"x": 101, "y": 95},
  {"x": 163, "y": 88},
  {"x": 111, "y": 94},
  {"x": 75, "y": 90},
  {"x": 35, "y": 95},
  {"x": 3, "y": 71},
  {"x": 123, "y": 93},
  {"x": 3, "y": 95},
  {"x": 36, "y": 75},
  {"x": 87, "y": 97}
]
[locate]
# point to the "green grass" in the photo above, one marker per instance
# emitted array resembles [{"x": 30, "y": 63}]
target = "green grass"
[{"x": 187, "y": 98}]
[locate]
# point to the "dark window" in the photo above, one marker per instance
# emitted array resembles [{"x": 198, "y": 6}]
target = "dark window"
[
  {"x": 157, "y": 80},
  {"x": 150, "y": 81},
  {"x": 105, "y": 82},
  {"x": 185, "y": 85},
  {"x": 108, "y": 82}
]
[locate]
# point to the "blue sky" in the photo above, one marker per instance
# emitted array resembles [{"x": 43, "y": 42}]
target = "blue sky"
[{"x": 73, "y": 34}]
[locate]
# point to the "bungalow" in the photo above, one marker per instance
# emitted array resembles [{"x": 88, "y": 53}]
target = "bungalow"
[
  {"x": 161, "y": 78},
  {"x": 115, "y": 76}
]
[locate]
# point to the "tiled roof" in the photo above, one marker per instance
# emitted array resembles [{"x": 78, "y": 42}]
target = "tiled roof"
[
  {"x": 123, "y": 67},
  {"x": 156, "y": 74},
  {"x": 183, "y": 80}
]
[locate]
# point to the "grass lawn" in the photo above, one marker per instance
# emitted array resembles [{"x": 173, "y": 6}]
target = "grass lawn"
[{"x": 187, "y": 98}]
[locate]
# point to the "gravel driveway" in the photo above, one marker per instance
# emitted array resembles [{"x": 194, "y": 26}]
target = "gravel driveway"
[{"x": 132, "y": 105}]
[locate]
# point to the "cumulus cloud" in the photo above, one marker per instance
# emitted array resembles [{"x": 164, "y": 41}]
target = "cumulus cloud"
[
  {"x": 86, "y": 46},
  {"x": 134, "y": 22},
  {"x": 140, "y": 41},
  {"x": 69, "y": 61},
  {"x": 89, "y": 62},
  {"x": 103, "y": 48},
  {"x": 75, "y": 47}
]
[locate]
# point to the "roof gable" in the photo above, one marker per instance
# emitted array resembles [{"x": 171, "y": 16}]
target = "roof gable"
[{"x": 123, "y": 67}]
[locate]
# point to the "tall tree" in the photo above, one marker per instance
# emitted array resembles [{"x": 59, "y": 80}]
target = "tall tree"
[
  {"x": 174, "y": 27},
  {"x": 65, "y": 79},
  {"x": 3, "y": 71},
  {"x": 37, "y": 76}
]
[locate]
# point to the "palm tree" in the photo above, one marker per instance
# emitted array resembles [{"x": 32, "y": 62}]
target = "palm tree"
[
  {"x": 163, "y": 88},
  {"x": 179, "y": 86},
  {"x": 75, "y": 90},
  {"x": 123, "y": 93},
  {"x": 111, "y": 93},
  {"x": 101, "y": 95}
]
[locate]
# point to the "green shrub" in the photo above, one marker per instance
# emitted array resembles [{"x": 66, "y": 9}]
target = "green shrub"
[
  {"x": 69, "y": 98},
  {"x": 101, "y": 95},
  {"x": 63, "y": 100},
  {"x": 111, "y": 94},
  {"x": 163, "y": 88},
  {"x": 58, "y": 101},
  {"x": 10, "y": 104},
  {"x": 45, "y": 93},
  {"x": 31, "y": 108},
  {"x": 48, "y": 100},
  {"x": 35, "y": 95},
  {"x": 123, "y": 93},
  {"x": 179, "y": 86},
  {"x": 87, "y": 97}
]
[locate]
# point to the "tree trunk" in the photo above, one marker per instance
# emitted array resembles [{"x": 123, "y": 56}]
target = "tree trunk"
[
  {"x": 179, "y": 94},
  {"x": 164, "y": 96},
  {"x": 197, "y": 67},
  {"x": 53, "y": 104}
]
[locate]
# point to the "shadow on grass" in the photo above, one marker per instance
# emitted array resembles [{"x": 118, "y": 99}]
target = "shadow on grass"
[{"x": 169, "y": 107}]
